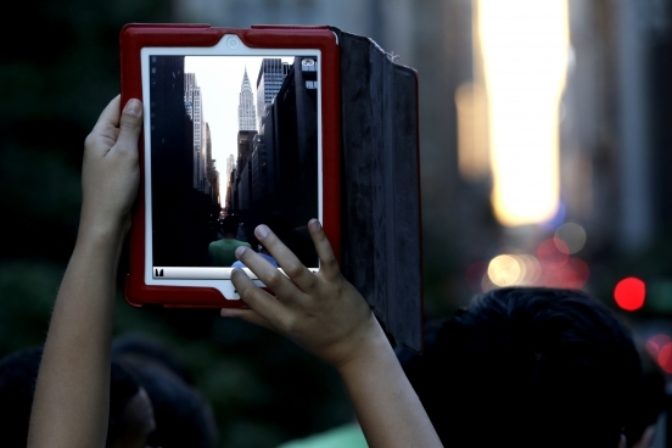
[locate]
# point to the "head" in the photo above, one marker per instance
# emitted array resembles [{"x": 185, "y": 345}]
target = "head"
[
  {"x": 529, "y": 367},
  {"x": 229, "y": 227},
  {"x": 18, "y": 373},
  {"x": 183, "y": 417},
  {"x": 130, "y": 419},
  {"x": 650, "y": 402}
]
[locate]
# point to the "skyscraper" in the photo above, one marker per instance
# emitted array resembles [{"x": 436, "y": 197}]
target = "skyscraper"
[
  {"x": 246, "y": 116},
  {"x": 230, "y": 165},
  {"x": 271, "y": 74},
  {"x": 212, "y": 184},
  {"x": 194, "y": 106}
]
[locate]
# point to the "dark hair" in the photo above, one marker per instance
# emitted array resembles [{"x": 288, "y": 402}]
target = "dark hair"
[
  {"x": 529, "y": 367},
  {"x": 140, "y": 347},
  {"x": 183, "y": 417},
  {"x": 650, "y": 400},
  {"x": 229, "y": 225},
  {"x": 18, "y": 374},
  {"x": 123, "y": 387}
]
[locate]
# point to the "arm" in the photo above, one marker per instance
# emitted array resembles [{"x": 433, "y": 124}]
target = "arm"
[
  {"x": 71, "y": 403},
  {"x": 325, "y": 314}
]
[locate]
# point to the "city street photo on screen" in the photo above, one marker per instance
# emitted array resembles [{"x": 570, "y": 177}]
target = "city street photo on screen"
[{"x": 231, "y": 141}]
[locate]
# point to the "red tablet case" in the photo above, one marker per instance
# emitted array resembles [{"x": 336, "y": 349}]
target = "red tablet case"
[{"x": 133, "y": 38}]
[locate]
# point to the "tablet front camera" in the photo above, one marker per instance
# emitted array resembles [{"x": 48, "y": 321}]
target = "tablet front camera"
[{"x": 232, "y": 41}]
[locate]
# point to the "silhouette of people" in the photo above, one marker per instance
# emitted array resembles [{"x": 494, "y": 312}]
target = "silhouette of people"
[
  {"x": 529, "y": 367},
  {"x": 131, "y": 417},
  {"x": 182, "y": 415},
  {"x": 650, "y": 403},
  {"x": 273, "y": 221},
  {"x": 152, "y": 400}
]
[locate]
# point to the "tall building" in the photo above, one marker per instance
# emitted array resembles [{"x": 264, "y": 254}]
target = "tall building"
[
  {"x": 228, "y": 176},
  {"x": 189, "y": 87},
  {"x": 246, "y": 116},
  {"x": 271, "y": 74},
  {"x": 179, "y": 211},
  {"x": 194, "y": 105},
  {"x": 230, "y": 165},
  {"x": 212, "y": 185}
]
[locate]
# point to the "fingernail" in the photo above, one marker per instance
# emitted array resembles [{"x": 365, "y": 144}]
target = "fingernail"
[
  {"x": 314, "y": 224},
  {"x": 133, "y": 107},
  {"x": 261, "y": 231},
  {"x": 240, "y": 250}
]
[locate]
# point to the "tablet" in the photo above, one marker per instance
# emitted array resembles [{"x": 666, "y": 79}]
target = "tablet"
[{"x": 240, "y": 128}]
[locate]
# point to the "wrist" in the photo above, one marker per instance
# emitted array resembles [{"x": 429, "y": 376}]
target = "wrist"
[
  {"x": 372, "y": 348},
  {"x": 101, "y": 232}
]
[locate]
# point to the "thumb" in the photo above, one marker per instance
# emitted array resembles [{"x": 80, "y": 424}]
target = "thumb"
[{"x": 130, "y": 123}]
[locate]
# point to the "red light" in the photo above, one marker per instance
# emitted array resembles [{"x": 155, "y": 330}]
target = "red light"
[
  {"x": 656, "y": 343},
  {"x": 630, "y": 293},
  {"x": 665, "y": 358},
  {"x": 561, "y": 245},
  {"x": 552, "y": 251}
]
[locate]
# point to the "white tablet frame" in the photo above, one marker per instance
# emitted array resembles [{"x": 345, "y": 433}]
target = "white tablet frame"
[{"x": 211, "y": 277}]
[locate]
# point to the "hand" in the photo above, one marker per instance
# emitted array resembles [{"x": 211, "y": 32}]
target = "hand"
[
  {"x": 321, "y": 311},
  {"x": 110, "y": 172}
]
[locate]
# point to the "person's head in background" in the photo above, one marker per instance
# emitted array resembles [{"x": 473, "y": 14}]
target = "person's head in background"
[
  {"x": 650, "y": 402},
  {"x": 228, "y": 228},
  {"x": 183, "y": 417},
  {"x": 529, "y": 367},
  {"x": 279, "y": 227},
  {"x": 131, "y": 417}
]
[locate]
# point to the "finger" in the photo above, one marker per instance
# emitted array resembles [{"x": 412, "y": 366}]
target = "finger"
[
  {"x": 328, "y": 264},
  {"x": 130, "y": 125},
  {"x": 109, "y": 117},
  {"x": 271, "y": 276},
  {"x": 290, "y": 263},
  {"x": 261, "y": 302}
]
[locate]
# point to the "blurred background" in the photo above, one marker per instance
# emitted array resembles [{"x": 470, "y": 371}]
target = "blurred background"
[{"x": 545, "y": 151}]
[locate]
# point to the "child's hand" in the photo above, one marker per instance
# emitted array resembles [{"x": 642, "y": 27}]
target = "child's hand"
[
  {"x": 320, "y": 311},
  {"x": 324, "y": 313},
  {"x": 110, "y": 172}
]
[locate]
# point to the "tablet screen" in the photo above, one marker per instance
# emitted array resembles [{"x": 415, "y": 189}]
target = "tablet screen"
[{"x": 232, "y": 140}]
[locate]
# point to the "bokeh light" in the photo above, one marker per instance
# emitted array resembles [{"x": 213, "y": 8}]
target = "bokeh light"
[
  {"x": 655, "y": 343},
  {"x": 665, "y": 357},
  {"x": 570, "y": 236},
  {"x": 505, "y": 270},
  {"x": 532, "y": 267},
  {"x": 630, "y": 293},
  {"x": 552, "y": 251},
  {"x": 524, "y": 80}
]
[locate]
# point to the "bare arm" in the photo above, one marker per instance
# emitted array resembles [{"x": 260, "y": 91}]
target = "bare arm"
[
  {"x": 387, "y": 407},
  {"x": 71, "y": 403},
  {"x": 325, "y": 314}
]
